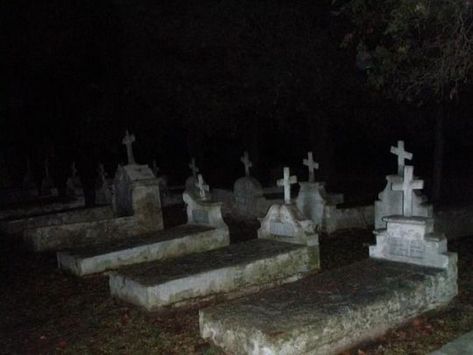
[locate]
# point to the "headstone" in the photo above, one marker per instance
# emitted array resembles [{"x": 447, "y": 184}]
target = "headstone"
[
  {"x": 411, "y": 239},
  {"x": 205, "y": 212},
  {"x": 136, "y": 193},
  {"x": 247, "y": 163},
  {"x": 248, "y": 194},
  {"x": 103, "y": 193},
  {"x": 311, "y": 165},
  {"x": 286, "y": 223},
  {"x": 73, "y": 183},
  {"x": 286, "y": 182},
  {"x": 390, "y": 201},
  {"x": 128, "y": 141}
]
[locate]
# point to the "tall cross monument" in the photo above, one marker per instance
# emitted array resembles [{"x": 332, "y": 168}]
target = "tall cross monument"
[
  {"x": 287, "y": 181},
  {"x": 407, "y": 187},
  {"x": 128, "y": 141},
  {"x": 402, "y": 156},
  {"x": 311, "y": 165}
]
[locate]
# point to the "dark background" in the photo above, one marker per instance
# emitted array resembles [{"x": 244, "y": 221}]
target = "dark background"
[{"x": 208, "y": 79}]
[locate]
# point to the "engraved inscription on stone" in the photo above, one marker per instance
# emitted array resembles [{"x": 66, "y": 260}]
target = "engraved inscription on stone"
[
  {"x": 200, "y": 216},
  {"x": 406, "y": 248},
  {"x": 416, "y": 249},
  {"x": 398, "y": 247},
  {"x": 281, "y": 229}
]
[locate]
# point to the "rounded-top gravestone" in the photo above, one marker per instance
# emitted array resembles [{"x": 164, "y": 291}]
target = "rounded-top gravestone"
[{"x": 247, "y": 191}]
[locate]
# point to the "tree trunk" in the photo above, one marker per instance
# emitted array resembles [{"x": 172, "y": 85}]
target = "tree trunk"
[{"x": 439, "y": 147}]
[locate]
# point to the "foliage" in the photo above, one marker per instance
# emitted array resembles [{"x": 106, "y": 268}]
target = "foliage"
[{"x": 413, "y": 50}]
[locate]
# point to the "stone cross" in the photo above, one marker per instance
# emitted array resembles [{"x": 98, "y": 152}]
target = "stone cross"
[
  {"x": 127, "y": 141},
  {"x": 311, "y": 165},
  {"x": 287, "y": 181},
  {"x": 402, "y": 155},
  {"x": 203, "y": 188},
  {"x": 407, "y": 187},
  {"x": 74, "y": 169},
  {"x": 247, "y": 163},
  {"x": 194, "y": 168}
]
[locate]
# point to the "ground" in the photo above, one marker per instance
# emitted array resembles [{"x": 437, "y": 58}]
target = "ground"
[{"x": 47, "y": 311}]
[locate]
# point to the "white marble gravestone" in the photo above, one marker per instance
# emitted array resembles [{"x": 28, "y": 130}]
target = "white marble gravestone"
[
  {"x": 248, "y": 191},
  {"x": 390, "y": 201},
  {"x": 285, "y": 222},
  {"x": 409, "y": 238},
  {"x": 313, "y": 199}
]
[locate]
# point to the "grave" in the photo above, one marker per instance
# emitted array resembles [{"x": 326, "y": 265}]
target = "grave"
[
  {"x": 248, "y": 193},
  {"x": 323, "y": 208},
  {"x": 409, "y": 272},
  {"x": 205, "y": 230},
  {"x": 136, "y": 210},
  {"x": 390, "y": 201},
  {"x": 227, "y": 272}
]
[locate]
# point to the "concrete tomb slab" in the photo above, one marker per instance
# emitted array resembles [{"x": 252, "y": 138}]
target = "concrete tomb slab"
[
  {"x": 329, "y": 312},
  {"x": 165, "y": 244},
  {"x": 137, "y": 210},
  {"x": 224, "y": 272}
]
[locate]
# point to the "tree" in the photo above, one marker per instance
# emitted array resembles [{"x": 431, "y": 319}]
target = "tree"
[{"x": 419, "y": 52}]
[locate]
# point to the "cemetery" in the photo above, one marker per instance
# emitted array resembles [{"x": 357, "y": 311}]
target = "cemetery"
[{"x": 236, "y": 177}]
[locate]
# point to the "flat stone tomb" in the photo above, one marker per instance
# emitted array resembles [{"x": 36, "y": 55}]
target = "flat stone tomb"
[
  {"x": 172, "y": 242},
  {"x": 329, "y": 312},
  {"x": 231, "y": 271}
]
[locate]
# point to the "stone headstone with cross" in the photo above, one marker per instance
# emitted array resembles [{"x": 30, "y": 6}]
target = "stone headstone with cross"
[
  {"x": 402, "y": 156},
  {"x": 311, "y": 166},
  {"x": 248, "y": 191},
  {"x": 411, "y": 239},
  {"x": 128, "y": 141},
  {"x": 136, "y": 193},
  {"x": 204, "y": 189},
  {"x": 286, "y": 182},
  {"x": 205, "y": 212},
  {"x": 390, "y": 201},
  {"x": 313, "y": 199}
]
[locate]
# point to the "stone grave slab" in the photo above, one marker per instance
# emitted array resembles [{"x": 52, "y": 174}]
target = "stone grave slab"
[
  {"x": 225, "y": 272},
  {"x": 77, "y": 215},
  {"x": 329, "y": 312},
  {"x": 165, "y": 244},
  {"x": 248, "y": 194}
]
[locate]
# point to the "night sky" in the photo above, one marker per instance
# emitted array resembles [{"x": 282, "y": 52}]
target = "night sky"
[{"x": 208, "y": 79}]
